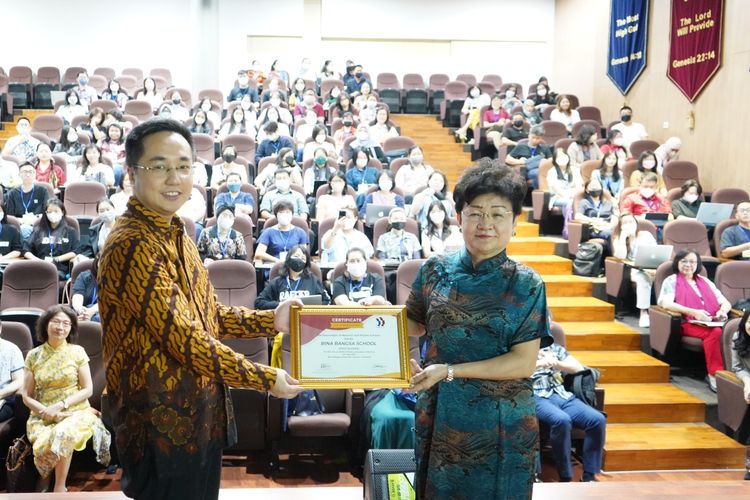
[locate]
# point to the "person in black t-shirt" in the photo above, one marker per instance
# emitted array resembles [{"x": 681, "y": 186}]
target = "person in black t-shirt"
[
  {"x": 27, "y": 201},
  {"x": 356, "y": 286},
  {"x": 294, "y": 280},
  {"x": 10, "y": 239}
]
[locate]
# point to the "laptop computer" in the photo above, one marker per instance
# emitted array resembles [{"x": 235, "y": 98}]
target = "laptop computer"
[
  {"x": 658, "y": 219},
  {"x": 375, "y": 212},
  {"x": 651, "y": 256},
  {"x": 711, "y": 214},
  {"x": 311, "y": 300}
]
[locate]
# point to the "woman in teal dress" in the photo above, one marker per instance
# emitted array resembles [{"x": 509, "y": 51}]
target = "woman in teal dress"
[{"x": 485, "y": 317}]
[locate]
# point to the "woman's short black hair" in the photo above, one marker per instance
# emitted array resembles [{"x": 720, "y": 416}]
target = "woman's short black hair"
[
  {"x": 364, "y": 151},
  {"x": 293, "y": 250},
  {"x": 689, "y": 184},
  {"x": 134, "y": 141},
  {"x": 43, "y": 322},
  {"x": 282, "y": 205},
  {"x": 681, "y": 254},
  {"x": 340, "y": 174},
  {"x": 742, "y": 342},
  {"x": 643, "y": 156},
  {"x": 489, "y": 176},
  {"x": 585, "y": 134},
  {"x": 69, "y": 93}
]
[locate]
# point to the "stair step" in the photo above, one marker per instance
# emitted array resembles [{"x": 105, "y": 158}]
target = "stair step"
[
  {"x": 527, "y": 229},
  {"x": 625, "y": 367},
  {"x": 561, "y": 285},
  {"x": 530, "y": 245},
  {"x": 546, "y": 264},
  {"x": 600, "y": 335},
  {"x": 670, "y": 446},
  {"x": 580, "y": 309},
  {"x": 651, "y": 403}
]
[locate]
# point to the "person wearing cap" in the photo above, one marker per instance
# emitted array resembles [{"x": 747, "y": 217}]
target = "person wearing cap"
[
  {"x": 243, "y": 88},
  {"x": 220, "y": 241}
]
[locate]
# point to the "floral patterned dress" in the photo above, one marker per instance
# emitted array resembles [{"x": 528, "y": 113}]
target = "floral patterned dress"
[
  {"x": 476, "y": 438},
  {"x": 56, "y": 378}
]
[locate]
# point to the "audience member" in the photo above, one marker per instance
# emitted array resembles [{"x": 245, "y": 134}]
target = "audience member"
[
  {"x": 616, "y": 144},
  {"x": 327, "y": 72},
  {"x": 237, "y": 124},
  {"x": 207, "y": 106},
  {"x": 22, "y": 146},
  {"x": 229, "y": 165},
  {"x": 530, "y": 113},
  {"x": 115, "y": 93},
  {"x": 272, "y": 143},
  {"x": 646, "y": 164},
  {"x": 563, "y": 181},
  {"x": 515, "y": 133},
  {"x": 543, "y": 97},
  {"x": 297, "y": 94},
  {"x": 124, "y": 192},
  {"x": 194, "y": 209},
  {"x": 53, "y": 240},
  {"x": 365, "y": 143},
  {"x": 319, "y": 141},
  {"x": 46, "y": 169},
  {"x": 27, "y": 201},
  {"x": 438, "y": 231},
  {"x": 471, "y": 111},
  {"x": 284, "y": 160},
  {"x": 343, "y": 236},
  {"x": 741, "y": 359},
  {"x": 584, "y": 147},
  {"x": 317, "y": 172},
  {"x": 95, "y": 126},
  {"x": 200, "y": 123},
  {"x": 84, "y": 297},
  {"x": 511, "y": 100},
  {"x": 335, "y": 198},
  {"x": 220, "y": 241},
  {"x": 86, "y": 92},
  {"x": 90, "y": 168},
  {"x": 354, "y": 84},
  {"x": 309, "y": 103},
  {"x": 494, "y": 121},
  {"x": 414, "y": 174},
  {"x": 596, "y": 211},
  {"x": 667, "y": 152},
  {"x": 626, "y": 238},
  {"x": 383, "y": 195},
  {"x": 10, "y": 249},
  {"x": 275, "y": 241},
  {"x": 735, "y": 240},
  {"x": 239, "y": 201},
  {"x": 357, "y": 286},
  {"x": 179, "y": 110},
  {"x": 381, "y": 128},
  {"x": 436, "y": 190},
  {"x": 564, "y": 113},
  {"x": 68, "y": 146},
  {"x": 343, "y": 105},
  {"x": 71, "y": 107},
  {"x": 530, "y": 154},
  {"x": 11, "y": 378},
  {"x": 242, "y": 89},
  {"x": 366, "y": 105},
  {"x": 647, "y": 199},
  {"x": 346, "y": 130},
  {"x": 397, "y": 245},
  {"x": 113, "y": 148},
  {"x": 295, "y": 279},
  {"x": 306, "y": 71},
  {"x": 686, "y": 207},
  {"x": 631, "y": 131},
  {"x": 149, "y": 93},
  {"x": 106, "y": 215},
  {"x": 609, "y": 175},
  {"x": 283, "y": 192}
]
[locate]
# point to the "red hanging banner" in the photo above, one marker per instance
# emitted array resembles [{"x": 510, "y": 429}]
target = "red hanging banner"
[{"x": 695, "y": 44}]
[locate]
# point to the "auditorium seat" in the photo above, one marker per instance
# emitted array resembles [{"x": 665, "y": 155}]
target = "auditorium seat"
[
  {"x": 99, "y": 83},
  {"x": 401, "y": 142},
  {"x": 140, "y": 109},
  {"x": 563, "y": 143},
  {"x": 373, "y": 163},
  {"x": 397, "y": 163},
  {"x": 405, "y": 275},
  {"x": 676, "y": 172},
  {"x": 106, "y": 72},
  {"x": 591, "y": 113},
  {"x": 276, "y": 270},
  {"x": 627, "y": 170},
  {"x": 246, "y": 188},
  {"x": 82, "y": 197},
  {"x": 437, "y": 83},
  {"x": 29, "y": 288},
  {"x": 381, "y": 226},
  {"x": 496, "y": 80},
  {"x": 692, "y": 234},
  {"x": 588, "y": 167},
  {"x": 582, "y": 123},
  {"x": 413, "y": 81},
  {"x": 214, "y": 95},
  {"x": 71, "y": 75},
  {"x": 641, "y": 146},
  {"x": 553, "y": 131},
  {"x": 540, "y": 199},
  {"x": 243, "y": 144},
  {"x": 130, "y": 84},
  {"x": 487, "y": 88},
  {"x": 162, "y": 73},
  {"x": 323, "y": 189},
  {"x": 733, "y": 281},
  {"x": 106, "y": 104},
  {"x": 185, "y": 95},
  {"x": 264, "y": 162},
  {"x": 729, "y": 195},
  {"x": 243, "y": 225},
  {"x": 20, "y": 81},
  {"x": 391, "y": 98},
  {"x": 49, "y": 125},
  {"x": 449, "y": 110},
  {"x": 666, "y": 337},
  {"x": 47, "y": 80},
  {"x": 78, "y": 268},
  {"x": 234, "y": 282},
  {"x": 718, "y": 230},
  {"x": 387, "y": 81},
  {"x": 467, "y": 78},
  {"x": 90, "y": 338},
  {"x": 204, "y": 148},
  {"x": 329, "y": 83},
  {"x": 732, "y": 406},
  {"x": 547, "y": 113}
]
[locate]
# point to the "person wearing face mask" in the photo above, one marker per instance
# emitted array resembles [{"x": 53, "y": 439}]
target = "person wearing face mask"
[
  {"x": 200, "y": 123},
  {"x": 106, "y": 215},
  {"x": 333, "y": 97},
  {"x": 667, "y": 152},
  {"x": 530, "y": 113},
  {"x": 414, "y": 175},
  {"x": 273, "y": 142},
  {"x": 275, "y": 242},
  {"x": 517, "y": 131},
  {"x": 283, "y": 182},
  {"x": 285, "y": 160},
  {"x": 240, "y": 201},
  {"x": 381, "y": 127},
  {"x": 631, "y": 131},
  {"x": 295, "y": 279},
  {"x": 220, "y": 241},
  {"x": 367, "y": 108},
  {"x": 563, "y": 181},
  {"x": 615, "y": 144},
  {"x": 346, "y": 130},
  {"x": 220, "y": 172},
  {"x": 354, "y": 84},
  {"x": 344, "y": 236},
  {"x": 544, "y": 97},
  {"x": 71, "y": 108},
  {"x": 686, "y": 207},
  {"x": 319, "y": 140},
  {"x": 10, "y": 240},
  {"x": 68, "y": 145},
  {"x": 335, "y": 198},
  {"x": 511, "y": 99},
  {"x": 494, "y": 120},
  {"x": 397, "y": 245},
  {"x": 364, "y": 142},
  {"x": 596, "y": 211},
  {"x": 274, "y": 90},
  {"x": 22, "y": 146},
  {"x": 86, "y": 93},
  {"x": 213, "y": 117},
  {"x": 647, "y": 164},
  {"x": 179, "y": 110},
  {"x": 383, "y": 195},
  {"x": 47, "y": 170},
  {"x": 243, "y": 88},
  {"x": 647, "y": 199},
  {"x": 357, "y": 286},
  {"x": 318, "y": 171},
  {"x": 53, "y": 240}
]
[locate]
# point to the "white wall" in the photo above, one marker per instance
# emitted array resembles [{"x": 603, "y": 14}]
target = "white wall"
[{"x": 204, "y": 42}]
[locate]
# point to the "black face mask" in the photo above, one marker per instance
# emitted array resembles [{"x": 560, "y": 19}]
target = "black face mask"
[
  {"x": 625, "y": 118},
  {"x": 347, "y": 124},
  {"x": 289, "y": 161},
  {"x": 398, "y": 226},
  {"x": 229, "y": 157},
  {"x": 296, "y": 264},
  {"x": 595, "y": 193},
  {"x": 518, "y": 123}
]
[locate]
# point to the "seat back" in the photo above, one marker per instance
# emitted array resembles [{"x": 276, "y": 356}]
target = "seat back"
[
  {"x": 29, "y": 283},
  {"x": 496, "y": 80},
  {"x": 587, "y": 167},
  {"x": 20, "y": 74},
  {"x": 244, "y": 144},
  {"x": 467, "y": 78},
  {"x": 399, "y": 142},
  {"x": 544, "y": 167},
  {"x": 162, "y": 73},
  {"x": 381, "y": 226},
  {"x": 99, "y": 83},
  {"x": 49, "y": 125},
  {"x": 19, "y": 334},
  {"x": 129, "y": 83},
  {"x": 456, "y": 90},
  {"x": 730, "y": 195},
  {"x": 718, "y": 230},
  {"x": 577, "y": 126},
  {"x": 234, "y": 282},
  {"x": 590, "y": 113},
  {"x": 487, "y": 88},
  {"x": 733, "y": 280},
  {"x": 245, "y": 227},
  {"x": 108, "y": 73},
  {"x": 676, "y": 172},
  {"x": 438, "y": 81},
  {"x": 387, "y": 81},
  {"x": 405, "y": 275},
  {"x": 641, "y": 146},
  {"x": 413, "y": 81},
  {"x": 204, "y": 148},
  {"x": 81, "y": 197},
  {"x": 519, "y": 88},
  {"x": 687, "y": 233},
  {"x": 215, "y": 95},
  {"x": 48, "y": 74},
  {"x": 140, "y": 109},
  {"x": 553, "y": 131},
  {"x": 557, "y": 332},
  {"x": 90, "y": 338},
  {"x": 730, "y": 327}
]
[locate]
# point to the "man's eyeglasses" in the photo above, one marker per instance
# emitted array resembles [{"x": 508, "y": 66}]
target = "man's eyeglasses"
[
  {"x": 496, "y": 217},
  {"x": 162, "y": 171}
]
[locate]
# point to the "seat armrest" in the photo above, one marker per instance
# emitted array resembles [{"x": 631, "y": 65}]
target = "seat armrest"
[
  {"x": 575, "y": 234},
  {"x": 614, "y": 270},
  {"x": 355, "y": 402},
  {"x": 732, "y": 407},
  {"x": 599, "y": 398},
  {"x": 539, "y": 204},
  {"x": 665, "y": 330}
]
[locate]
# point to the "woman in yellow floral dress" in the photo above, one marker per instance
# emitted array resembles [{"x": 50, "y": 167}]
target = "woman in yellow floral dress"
[{"x": 56, "y": 389}]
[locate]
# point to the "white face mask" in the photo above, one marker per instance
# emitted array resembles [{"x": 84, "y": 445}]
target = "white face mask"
[
  {"x": 649, "y": 164},
  {"x": 510, "y": 93},
  {"x": 474, "y": 93},
  {"x": 437, "y": 217},
  {"x": 283, "y": 185},
  {"x": 349, "y": 223},
  {"x": 385, "y": 185},
  {"x": 361, "y": 162},
  {"x": 107, "y": 216},
  {"x": 226, "y": 223},
  {"x": 284, "y": 218},
  {"x": 54, "y": 217},
  {"x": 357, "y": 270},
  {"x": 691, "y": 198},
  {"x": 618, "y": 141},
  {"x": 320, "y": 139},
  {"x": 647, "y": 192},
  {"x": 363, "y": 136},
  {"x": 541, "y": 92}
]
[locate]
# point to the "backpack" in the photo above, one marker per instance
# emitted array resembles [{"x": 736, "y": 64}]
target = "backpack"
[
  {"x": 582, "y": 384},
  {"x": 588, "y": 259}
]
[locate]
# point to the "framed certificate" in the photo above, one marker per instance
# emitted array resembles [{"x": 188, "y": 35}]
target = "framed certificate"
[{"x": 345, "y": 347}]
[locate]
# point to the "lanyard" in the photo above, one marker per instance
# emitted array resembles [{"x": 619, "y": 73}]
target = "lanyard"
[
  {"x": 93, "y": 297},
  {"x": 26, "y": 204},
  {"x": 286, "y": 235},
  {"x": 51, "y": 242},
  {"x": 352, "y": 288},
  {"x": 222, "y": 245},
  {"x": 289, "y": 284}
]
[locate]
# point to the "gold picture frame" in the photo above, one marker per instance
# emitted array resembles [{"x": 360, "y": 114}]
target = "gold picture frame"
[{"x": 337, "y": 340}]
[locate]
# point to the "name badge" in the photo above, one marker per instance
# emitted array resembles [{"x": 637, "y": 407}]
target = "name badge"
[
  {"x": 4, "y": 243},
  {"x": 282, "y": 255},
  {"x": 45, "y": 241}
]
